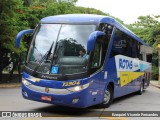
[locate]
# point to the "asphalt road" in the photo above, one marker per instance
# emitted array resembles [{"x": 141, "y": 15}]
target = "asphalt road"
[{"x": 11, "y": 100}]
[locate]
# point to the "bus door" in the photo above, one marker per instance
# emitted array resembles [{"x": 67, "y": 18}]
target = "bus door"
[
  {"x": 98, "y": 58},
  {"x": 104, "y": 41}
]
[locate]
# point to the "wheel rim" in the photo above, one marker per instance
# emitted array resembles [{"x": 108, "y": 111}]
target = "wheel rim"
[
  {"x": 107, "y": 96},
  {"x": 141, "y": 87}
]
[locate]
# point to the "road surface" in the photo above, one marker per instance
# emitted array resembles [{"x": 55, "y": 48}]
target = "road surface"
[{"x": 11, "y": 100}]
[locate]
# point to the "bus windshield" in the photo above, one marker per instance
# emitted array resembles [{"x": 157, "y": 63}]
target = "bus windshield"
[{"x": 59, "y": 49}]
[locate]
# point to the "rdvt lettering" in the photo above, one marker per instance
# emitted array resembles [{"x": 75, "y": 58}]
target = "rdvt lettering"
[{"x": 125, "y": 64}]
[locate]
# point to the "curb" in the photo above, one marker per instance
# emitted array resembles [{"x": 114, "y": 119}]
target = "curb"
[
  {"x": 158, "y": 86},
  {"x": 11, "y": 85}
]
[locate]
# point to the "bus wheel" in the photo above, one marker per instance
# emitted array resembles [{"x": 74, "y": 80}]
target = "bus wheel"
[
  {"x": 141, "y": 88},
  {"x": 108, "y": 97}
]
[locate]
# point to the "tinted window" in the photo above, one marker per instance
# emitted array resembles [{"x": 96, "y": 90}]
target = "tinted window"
[
  {"x": 135, "y": 49},
  {"x": 119, "y": 46},
  {"x": 132, "y": 48},
  {"x": 124, "y": 45}
]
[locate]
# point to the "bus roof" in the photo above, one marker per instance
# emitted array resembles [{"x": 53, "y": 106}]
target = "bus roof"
[{"x": 90, "y": 19}]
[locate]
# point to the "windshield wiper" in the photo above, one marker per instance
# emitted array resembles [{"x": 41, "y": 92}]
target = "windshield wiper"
[{"x": 46, "y": 56}]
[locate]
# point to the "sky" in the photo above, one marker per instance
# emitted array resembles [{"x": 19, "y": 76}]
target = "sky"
[{"x": 126, "y": 10}]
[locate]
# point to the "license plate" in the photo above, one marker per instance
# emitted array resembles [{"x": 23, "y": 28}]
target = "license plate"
[{"x": 46, "y": 98}]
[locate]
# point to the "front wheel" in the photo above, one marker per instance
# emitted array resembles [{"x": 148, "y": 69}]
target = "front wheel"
[{"x": 108, "y": 97}]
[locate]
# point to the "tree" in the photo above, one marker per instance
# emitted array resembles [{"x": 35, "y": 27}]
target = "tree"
[
  {"x": 10, "y": 24},
  {"x": 145, "y": 26}
]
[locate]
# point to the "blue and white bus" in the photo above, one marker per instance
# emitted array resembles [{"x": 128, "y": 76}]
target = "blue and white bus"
[{"x": 80, "y": 60}]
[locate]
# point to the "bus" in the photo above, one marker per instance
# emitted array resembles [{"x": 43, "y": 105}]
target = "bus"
[{"x": 81, "y": 60}]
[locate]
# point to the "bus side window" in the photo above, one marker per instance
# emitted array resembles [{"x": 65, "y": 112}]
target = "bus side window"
[
  {"x": 135, "y": 51},
  {"x": 125, "y": 45},
  {"x": 119, "y": 46},
  {"x": 132, "y": 48}
]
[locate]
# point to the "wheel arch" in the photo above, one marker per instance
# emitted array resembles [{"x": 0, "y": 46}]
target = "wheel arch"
[{"x": 111, "y": 84}]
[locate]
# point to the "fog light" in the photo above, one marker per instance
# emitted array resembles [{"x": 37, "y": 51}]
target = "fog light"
[
  {"x": 25, "y": 93},
  {"x": 76, "y": 100}
]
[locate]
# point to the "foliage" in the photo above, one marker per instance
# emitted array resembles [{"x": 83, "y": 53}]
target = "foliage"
[
  {"x": 10, "y": 22},
  {"x": 154, "y": 74},
  {"x": 147, "y": 28}
]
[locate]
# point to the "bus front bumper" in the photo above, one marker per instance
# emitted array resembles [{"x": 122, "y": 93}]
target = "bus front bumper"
[{"x": 81, "y": 99}]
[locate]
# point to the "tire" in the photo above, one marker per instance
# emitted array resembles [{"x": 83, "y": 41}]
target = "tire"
[
  {"x": 141, "y": 88},
  {"x": 108, "y": 97}
]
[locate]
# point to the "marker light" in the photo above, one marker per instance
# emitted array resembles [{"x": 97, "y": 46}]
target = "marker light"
[
  {"x": 79, "y": 88},
  {"x": 25, "y": 82}
]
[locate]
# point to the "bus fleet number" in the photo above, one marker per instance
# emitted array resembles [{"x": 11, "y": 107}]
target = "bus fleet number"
[{"x": 71, "y": 83}]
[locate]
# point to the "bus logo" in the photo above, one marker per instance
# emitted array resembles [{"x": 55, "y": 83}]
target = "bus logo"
[{"x": 125, "y": 64}]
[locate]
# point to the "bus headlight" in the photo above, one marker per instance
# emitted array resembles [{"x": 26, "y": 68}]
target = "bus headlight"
[
  {"x": 78, "y": 88},
  {"x": 25, "y": 82}
]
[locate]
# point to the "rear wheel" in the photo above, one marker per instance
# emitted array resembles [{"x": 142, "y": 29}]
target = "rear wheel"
[
  {"x": 141, "y": 88},
  {"x": 108, "y": 97}
]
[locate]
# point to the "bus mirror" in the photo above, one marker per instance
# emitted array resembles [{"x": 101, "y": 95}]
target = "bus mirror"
[
  {"x": 92, "y": 39},
  {"x": 20, "y": 34}
]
